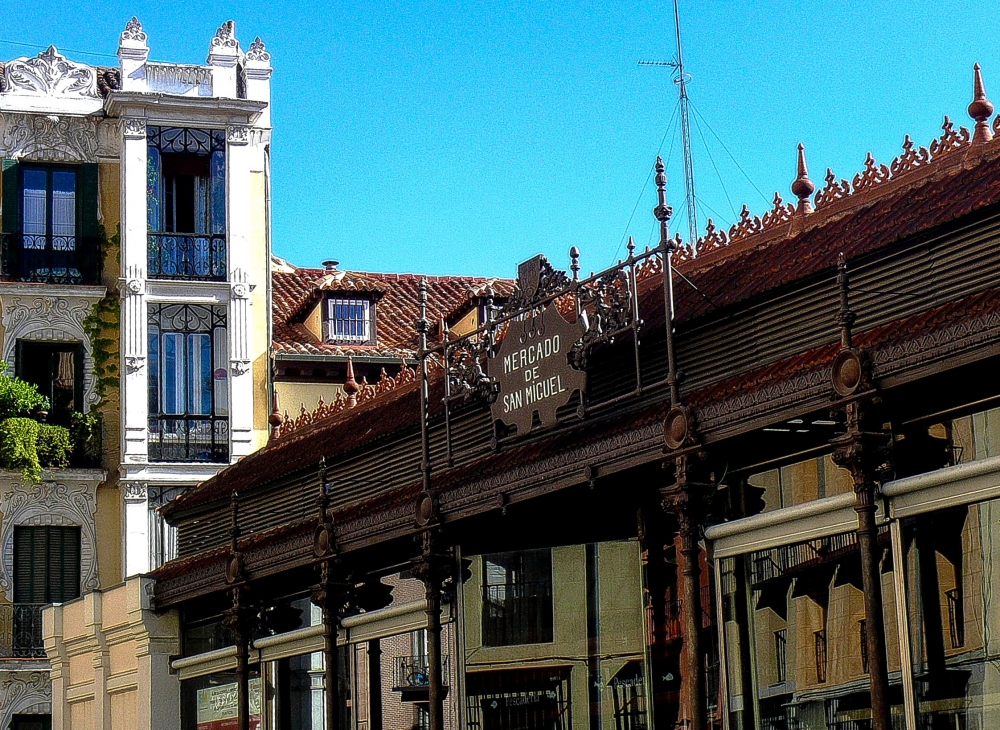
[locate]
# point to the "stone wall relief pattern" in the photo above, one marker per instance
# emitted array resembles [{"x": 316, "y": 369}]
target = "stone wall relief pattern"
[
  {"x": 49, "y": 319},
  {"x": 69, "y": 502},
  {"x": 55, "y": 138},
  {"x": 133, "y": 302},
  {"x": 239, "y": 323},
  {"x": 24, "y": 693}
]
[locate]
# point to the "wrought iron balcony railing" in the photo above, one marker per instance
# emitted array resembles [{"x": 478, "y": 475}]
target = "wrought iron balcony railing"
[
  {"x": 50, "y": 259},
  {"x": 412, "y": 672},
  {"x": 189, "y": 438},
  {"x": 21, "y": 630},
  {"x": 197, "y": 256},
  {"x": 520, "y": 613},
  {"x": 956, "y": 617},
  {"x": 820, "y": 655}
]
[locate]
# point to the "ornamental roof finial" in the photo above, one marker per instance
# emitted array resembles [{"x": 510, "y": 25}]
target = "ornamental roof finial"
[
  {"x": 662, "y": 211},
  {"x": 275, "y": 418},
  {"x": 351, "y": 386},
  {"x": 980, "y": 109},
  {"x": 802, "y": 186}
]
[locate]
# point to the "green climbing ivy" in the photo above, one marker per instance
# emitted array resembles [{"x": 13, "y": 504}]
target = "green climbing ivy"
[{"x": 102, "y": 325}]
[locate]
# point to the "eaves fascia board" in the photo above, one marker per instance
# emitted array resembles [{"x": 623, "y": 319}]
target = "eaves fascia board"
[
  {"x": 332, "y": 358},
  {"x": 168, "y": 107}
]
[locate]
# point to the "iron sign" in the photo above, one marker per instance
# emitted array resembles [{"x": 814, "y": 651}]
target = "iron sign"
[{"x": 532, "y": 364}]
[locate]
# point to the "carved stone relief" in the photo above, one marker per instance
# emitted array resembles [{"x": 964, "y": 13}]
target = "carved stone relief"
[
  {"x": 238, "y": 134},
  {"x": 24, "y": 693},
  {"x": 134, "y": 491},
  {"x": 68, "y": 502},
  {"x": 50, "y": 74},
  {"x": 49, "y": 319},
  {"x": 52, "y": 138},
  {"x": 134, "y": 128}
]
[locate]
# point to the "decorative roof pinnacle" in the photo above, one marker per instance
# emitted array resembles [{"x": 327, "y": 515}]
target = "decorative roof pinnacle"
[
  {"x": 802, "y": 186},
  {"x": 980, "y": 109},
  {"x": 662, "y": 211},
  {"x": 275, "y": 418},
  {"x": 351, "y": 387},
  {"x": 134, "y": 32}
]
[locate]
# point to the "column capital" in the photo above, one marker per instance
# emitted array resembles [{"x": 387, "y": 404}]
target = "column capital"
[{"x": 134, "y": 128}]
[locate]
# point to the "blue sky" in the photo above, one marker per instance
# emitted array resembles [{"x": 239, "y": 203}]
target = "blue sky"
[{"x": 463, "y": 137}]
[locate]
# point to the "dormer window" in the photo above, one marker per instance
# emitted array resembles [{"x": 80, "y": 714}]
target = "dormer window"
[{"x": 348, "y": 320}]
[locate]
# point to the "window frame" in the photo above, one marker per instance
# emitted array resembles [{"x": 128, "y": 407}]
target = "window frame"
[
  {"x": 53, "y": 347},
  {"x": 544, "y": 610},
  {"x": 367, "y": 319},
  {"x": 174, "y": 318}
]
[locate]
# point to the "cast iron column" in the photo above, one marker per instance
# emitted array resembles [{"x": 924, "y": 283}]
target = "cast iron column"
[
  {"x": 431, "y": 568},
  {"x": 330, "y": 596},
  {"x": 237, "y": 619},
  {"x": 685, "y": 500},
  {"x": 862, "y": 452},
  {"x": 375, "y": 684}
]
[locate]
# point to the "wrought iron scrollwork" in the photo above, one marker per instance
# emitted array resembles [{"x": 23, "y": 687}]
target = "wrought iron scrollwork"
[{"x": 606, "y": 304}]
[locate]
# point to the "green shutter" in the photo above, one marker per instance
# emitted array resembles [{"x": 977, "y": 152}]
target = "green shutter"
[
  {"x": 10, "y": 213},
  {"x": 11, "y": 210},
  {"x": 87, "y": 206},
  {"x": 46, "y": 564}
]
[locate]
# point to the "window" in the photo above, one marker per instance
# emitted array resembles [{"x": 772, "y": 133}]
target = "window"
[
  {"x": 188, "y": 383},
  {"x": 31, "y": 722},
  {"x": 348, "y": 320},
  {"x": 162, "y": 536},
  {"x": 50, "y": 223},
  {"x": 517, "y": 598},
  {"x": 57, "y": 370},
  {"x": 46, "y": 564},
  {"x": 186, "y": 203}
]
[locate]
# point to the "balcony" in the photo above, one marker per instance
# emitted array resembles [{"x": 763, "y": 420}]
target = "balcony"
[
  {"x": 189, "y": 439},
  {"x": 21, "y": 631},
  {"x": 188, "y": 256},
  {"x": 411, "y": 677},
  {"x": 820, "y": 637},
  {"x": 49, "y": 259}
]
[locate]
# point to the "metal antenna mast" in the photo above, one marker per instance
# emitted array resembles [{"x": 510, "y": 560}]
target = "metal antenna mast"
[{"x": 681, "y": 80}]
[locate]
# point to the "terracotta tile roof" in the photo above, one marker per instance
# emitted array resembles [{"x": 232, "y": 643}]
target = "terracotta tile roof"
[
  {"x": 961, "y": 179},
  {"x": 296, "y": 291}
]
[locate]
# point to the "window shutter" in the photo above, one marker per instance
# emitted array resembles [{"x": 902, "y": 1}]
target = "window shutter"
[
  {"x": 29, "y": 564},
  {"x": 46, "y": 564},
  {"x": 11, "y": 210},
  {"x": 87, "y": 208},
  {"x": 63, "y": 564}
]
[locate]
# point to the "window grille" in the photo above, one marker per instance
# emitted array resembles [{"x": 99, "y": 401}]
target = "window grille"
[
  {"x": 186, "y": 203},
  {"x": 781, "y": 654},
  {"x": 348, "y": 320},
  {"x": 820, "y": 656}
]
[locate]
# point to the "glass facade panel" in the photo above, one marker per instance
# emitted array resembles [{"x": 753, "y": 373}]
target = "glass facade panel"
[
  {"x": 792, "y": 627},
  {"x": 953, "y": 612}
]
